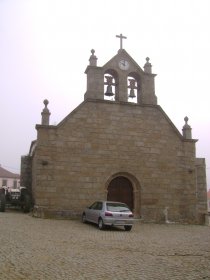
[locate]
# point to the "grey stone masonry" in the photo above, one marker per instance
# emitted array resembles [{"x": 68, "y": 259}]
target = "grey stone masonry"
[{"x": 117, "y": 144}]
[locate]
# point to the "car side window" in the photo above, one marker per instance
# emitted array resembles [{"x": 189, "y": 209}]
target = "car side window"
[
  {"x": 99, "y": 206},
  {"x": 94, "y": 205}
]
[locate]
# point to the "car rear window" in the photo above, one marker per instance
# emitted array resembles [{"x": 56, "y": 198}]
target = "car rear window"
[{"x": 117, "y": 207}]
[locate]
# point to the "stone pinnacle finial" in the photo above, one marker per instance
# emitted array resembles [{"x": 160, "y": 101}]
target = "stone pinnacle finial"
[
  {"x": 186, "y": 129},
  {"x": 186, "y": 119},
  {"x": 148, "y": 66},
  {"x": 46, "y": 102},
  {"x": 93, "y": 58},
  {"x": 45, "y": 113}
]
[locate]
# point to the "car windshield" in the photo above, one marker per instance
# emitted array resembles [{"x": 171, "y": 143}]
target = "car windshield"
[{"x": 117, "y": 207}]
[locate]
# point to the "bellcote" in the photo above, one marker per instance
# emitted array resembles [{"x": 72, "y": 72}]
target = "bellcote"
[{"x": 120, "y": 79}]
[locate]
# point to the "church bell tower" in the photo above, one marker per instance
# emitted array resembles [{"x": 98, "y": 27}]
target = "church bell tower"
[{"x": 121, "y": 79}]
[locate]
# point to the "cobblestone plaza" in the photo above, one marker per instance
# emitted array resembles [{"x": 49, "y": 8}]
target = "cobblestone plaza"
[{"x": 45, "y": 249}]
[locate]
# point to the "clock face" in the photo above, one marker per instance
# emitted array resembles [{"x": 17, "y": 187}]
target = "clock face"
[{"x": 124, "y": 64}]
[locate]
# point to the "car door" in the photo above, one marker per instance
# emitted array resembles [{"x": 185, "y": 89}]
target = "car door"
[
  {"x": 90, "y": 211},
  {"x": 97, "y": 211}
]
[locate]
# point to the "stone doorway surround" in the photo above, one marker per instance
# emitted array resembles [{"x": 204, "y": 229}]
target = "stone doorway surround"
[
  {"x": 121, "y": 189},
  {"x": 136, "y": 188}
]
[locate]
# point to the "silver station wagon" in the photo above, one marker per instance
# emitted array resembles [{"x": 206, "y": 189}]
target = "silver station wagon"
[{"x": 109, "y": 213}]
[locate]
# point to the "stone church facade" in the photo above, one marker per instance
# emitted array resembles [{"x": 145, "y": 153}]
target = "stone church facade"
[{"x": 118, "y": 144}]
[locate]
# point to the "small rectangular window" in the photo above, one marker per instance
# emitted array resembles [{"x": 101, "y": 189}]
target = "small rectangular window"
[{"x": 4, "y": 182}]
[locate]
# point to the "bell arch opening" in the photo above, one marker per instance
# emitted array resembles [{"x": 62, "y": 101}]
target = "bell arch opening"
[
  {"x": 111, "y": 85},
  {"x": 133, "y": 87}
]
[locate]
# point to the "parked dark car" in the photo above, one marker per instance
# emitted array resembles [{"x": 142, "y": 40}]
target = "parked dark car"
[{"x": 109, "y": 213}]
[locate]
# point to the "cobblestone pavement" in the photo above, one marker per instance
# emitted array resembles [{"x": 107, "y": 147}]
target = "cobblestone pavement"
[{"x": 41, "y": 249}]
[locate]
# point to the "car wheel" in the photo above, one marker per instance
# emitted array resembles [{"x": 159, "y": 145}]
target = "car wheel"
[
  {"x": 128, "y": 228},
  {"x": 2, "y": 202},
  {"x": 100, "y": 224},
  {"x": 83, "y": 218}
]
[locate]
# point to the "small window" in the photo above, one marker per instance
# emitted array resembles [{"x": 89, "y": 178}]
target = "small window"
[
  {"x": 4, "y": 182},
  {"x": 15, "y": 184}
]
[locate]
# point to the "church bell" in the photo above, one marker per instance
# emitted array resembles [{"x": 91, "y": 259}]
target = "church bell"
[
  {"x": 132, "y": 93},
  {"x": 132, "y": 86},
  {"x": 109, "y": 91}
]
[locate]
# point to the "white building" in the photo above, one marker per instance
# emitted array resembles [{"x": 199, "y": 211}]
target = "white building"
[{"x": 9, "y": 179}]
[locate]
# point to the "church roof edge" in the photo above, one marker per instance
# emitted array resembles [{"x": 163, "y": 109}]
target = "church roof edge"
[
  {"x": 7, "y": 174},
  {"x": 178, "y": 133},
  {"x": 123, "y": 52}
]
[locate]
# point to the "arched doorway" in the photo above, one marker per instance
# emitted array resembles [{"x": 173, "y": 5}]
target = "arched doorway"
[{"x": 121, "y": 189}]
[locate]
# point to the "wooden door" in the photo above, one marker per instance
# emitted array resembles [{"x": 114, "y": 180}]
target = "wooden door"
[{"x": 120, "y": 189}]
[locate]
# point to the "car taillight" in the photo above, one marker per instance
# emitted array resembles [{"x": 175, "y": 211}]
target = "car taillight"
[
  {"x": 130, "y": 216},
  {"x": 108, "y": 214}
]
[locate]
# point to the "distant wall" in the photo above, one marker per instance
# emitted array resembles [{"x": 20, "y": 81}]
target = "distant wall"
[
  {"x": 26, "y": 173},
  {"x": 201, "y": 191}
]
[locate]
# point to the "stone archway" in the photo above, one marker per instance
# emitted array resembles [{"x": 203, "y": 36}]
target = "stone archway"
[{"x": 120, "y": 189}]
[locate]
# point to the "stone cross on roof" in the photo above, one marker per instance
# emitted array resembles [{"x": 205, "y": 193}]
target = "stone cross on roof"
[{"x": 121, "y": 38}]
